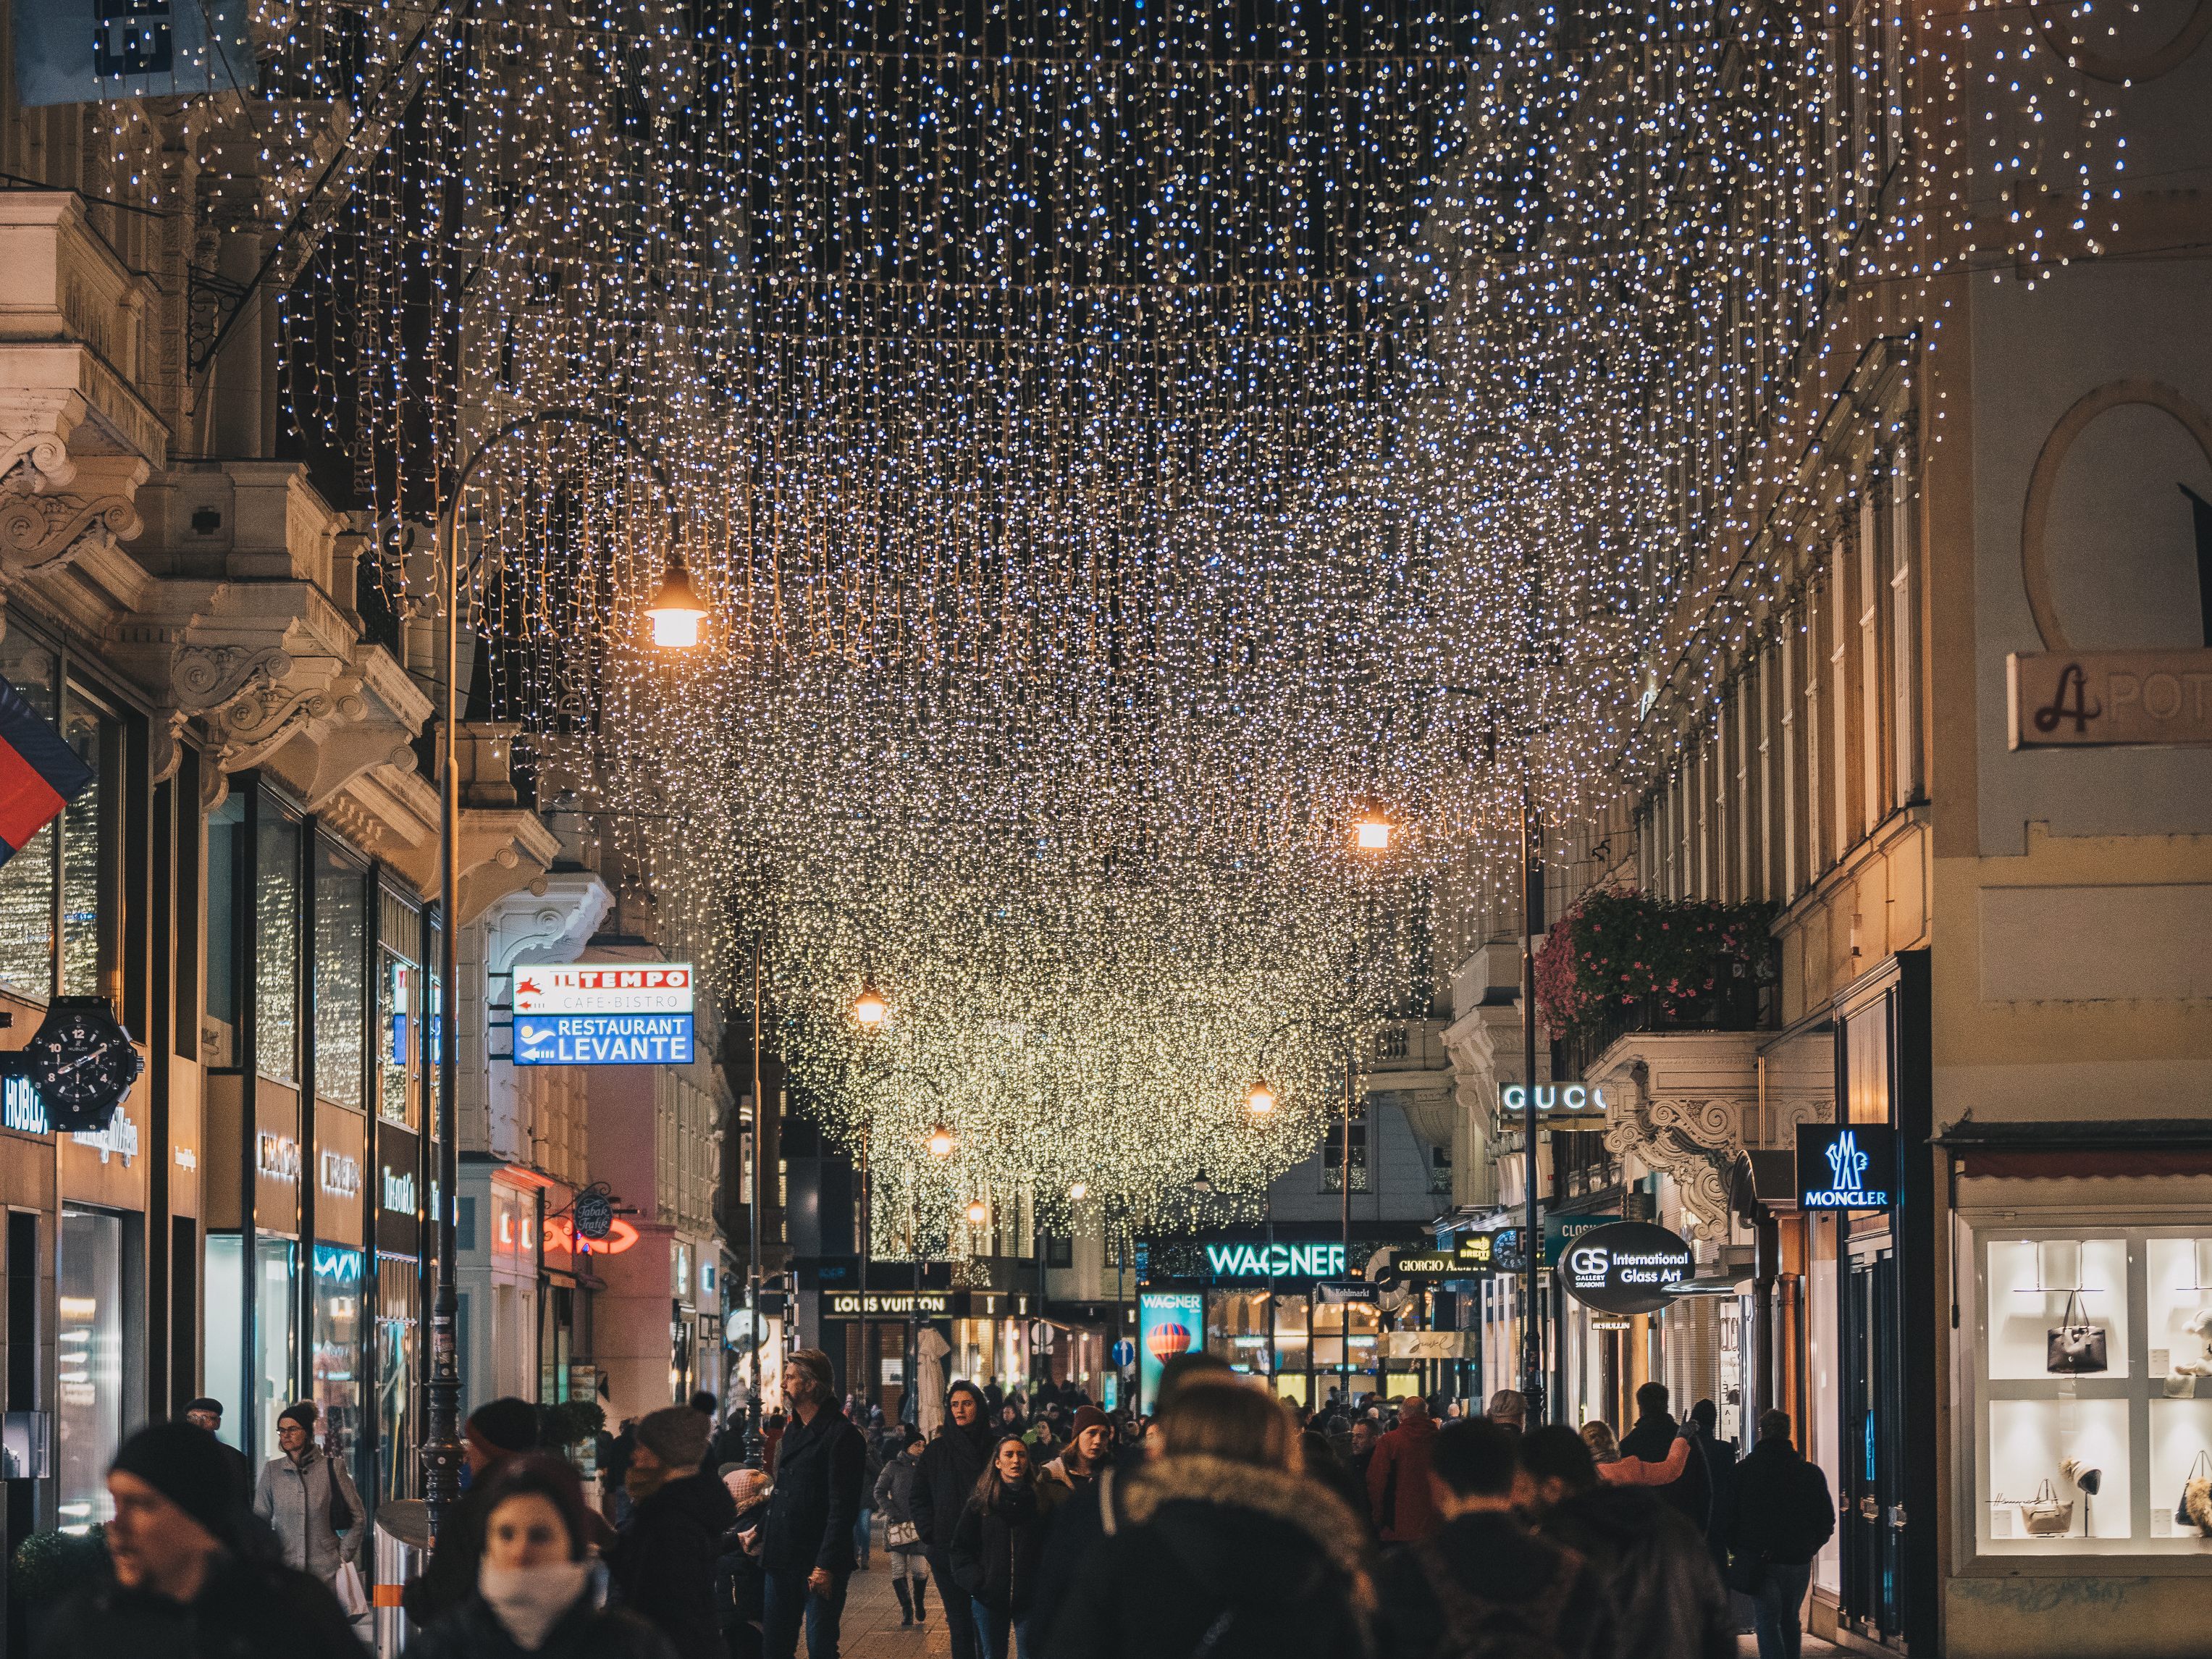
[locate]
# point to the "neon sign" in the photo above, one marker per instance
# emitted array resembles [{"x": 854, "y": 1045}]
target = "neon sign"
[
  {"x": 1322, "y": 1260},
  {"x": 1554, "y": 1097},
  {"x": 1846, "y": 1166}
]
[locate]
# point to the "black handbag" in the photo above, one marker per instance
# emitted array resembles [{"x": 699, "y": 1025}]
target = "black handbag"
[
  {"x": 2076, "y": 1348},
  {"x": 1747, "y": 1571},
  {"x": 341, "y": 1512}
]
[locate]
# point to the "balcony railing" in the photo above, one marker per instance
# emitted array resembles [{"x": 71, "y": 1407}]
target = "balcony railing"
[{"x": 1737, "y": 1002}]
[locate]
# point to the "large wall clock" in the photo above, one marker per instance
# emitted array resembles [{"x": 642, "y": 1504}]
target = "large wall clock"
[{"x": 82, "y": 1062}]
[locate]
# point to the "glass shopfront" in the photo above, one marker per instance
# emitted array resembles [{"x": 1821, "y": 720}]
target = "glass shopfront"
[
  {"x": 336, "y": 1352},
  {"x": 89, "y": 1339}
]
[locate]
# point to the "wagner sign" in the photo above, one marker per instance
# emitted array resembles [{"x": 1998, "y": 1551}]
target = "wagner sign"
[
  {"x": 1846, "y": 1166},
  {"x": 1261, "y": 1260},
  {"x": 1625, "y": 1268}
]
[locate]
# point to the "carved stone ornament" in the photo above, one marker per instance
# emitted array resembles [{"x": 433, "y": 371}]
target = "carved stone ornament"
[
  {"x": 254, "y": 698},
  {"x": 40, "y": 532},
  {"x": 1695, "y": 1142}
]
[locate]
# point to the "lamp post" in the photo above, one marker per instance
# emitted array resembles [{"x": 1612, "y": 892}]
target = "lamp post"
[
  {"x": 674, "y": 613},
  {"x": 1532, "y": 1244}
]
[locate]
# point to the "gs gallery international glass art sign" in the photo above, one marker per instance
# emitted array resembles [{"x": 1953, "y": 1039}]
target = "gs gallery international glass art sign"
[
  {"x": 1846, "y": 1166},
  {"x": 603, "y": 1013},
  {"x": 1625, "y": 1268}
]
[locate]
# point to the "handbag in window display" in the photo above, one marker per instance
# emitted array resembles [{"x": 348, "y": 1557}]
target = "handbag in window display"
[
  {"x": 2076, "y": 1348},
  {"x": 2194, "y": 1511}
]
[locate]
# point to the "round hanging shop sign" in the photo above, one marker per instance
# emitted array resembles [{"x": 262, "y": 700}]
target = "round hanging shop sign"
[{"x": 1625, "y": 1267}]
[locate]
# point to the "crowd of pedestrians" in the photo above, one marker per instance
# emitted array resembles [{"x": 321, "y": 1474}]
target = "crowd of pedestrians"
[{"x": 1226, "y": 1525}]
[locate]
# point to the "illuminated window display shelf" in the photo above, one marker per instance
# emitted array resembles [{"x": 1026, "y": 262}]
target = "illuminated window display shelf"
[{"x": 2118, "y": 1445}]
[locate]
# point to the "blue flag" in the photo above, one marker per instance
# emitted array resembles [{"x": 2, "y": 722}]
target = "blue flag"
[{"x": 83, "y": 52}]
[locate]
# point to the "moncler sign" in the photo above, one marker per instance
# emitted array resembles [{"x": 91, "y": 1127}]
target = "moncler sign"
[{"x": 1625, "y": 1267}]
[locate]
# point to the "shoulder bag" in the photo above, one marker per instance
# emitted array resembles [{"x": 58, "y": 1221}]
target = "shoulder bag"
[
  {"x": 342, "y": 1516},
  {"x": 2046, "y": 1515},
  {"x": 2076, "y": 1348}
]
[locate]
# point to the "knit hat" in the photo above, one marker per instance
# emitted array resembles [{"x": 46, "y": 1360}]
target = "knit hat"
[
  {"x": 747, "y": 1487},
  {"x": 302, "y": 1412},
  {"x": 676, "y": 1435},
  {"x": 1089, "y": 1417},
  {"x": 185, "y": 1464},
  {"x": 505, "y": 1426}
]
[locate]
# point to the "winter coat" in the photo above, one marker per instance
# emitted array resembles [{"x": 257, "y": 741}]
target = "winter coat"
[
  {"x": 951, "y": 1466},
  {"x": 451, "y": 1577},
  {"x": 1324, "y": 1466},
  {"x": 1668, "y": 1599},
  {"x": 995, "y": 1551},
  {"x": 1783, "y": 1511},
  {"x": 472, "y": 1631},
  {"x": 663, "y": 1564},
  {"x": 295, "y": 1498},
  {"x": 1495, "y": 1560},
  {"x": 1720, "y": 1461},
  {"x": 1192, "y": 1545},
  {"x": 738, "y": 1581},
  {"x": 816, "y": 1503},
  {"x": 1398, "y": 1481},
  {"x": 1692, "y": 1496},
  {"x": 245, "y": 1610},
  {"x": 894, "y": 1493}
]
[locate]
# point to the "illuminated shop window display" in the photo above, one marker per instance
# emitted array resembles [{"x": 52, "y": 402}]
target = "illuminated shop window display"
[{"x": 2093, "y": 1389}]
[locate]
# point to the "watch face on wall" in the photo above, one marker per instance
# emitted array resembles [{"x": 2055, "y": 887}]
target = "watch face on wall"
[{"x": 83, "y": 1063}]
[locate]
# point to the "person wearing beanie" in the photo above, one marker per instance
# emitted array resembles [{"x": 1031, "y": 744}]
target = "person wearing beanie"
[
  {"x": 737, "y": 1578},
  {"x": 663, "y": 1563},
  {"x": 944, "y": 1480},
  {"x": 534, "y": 1589},
  {"x": 808, "y": 1555},
  {"x": 496, "y": 1431},
  {"x": 178, "y": 1580},
  {"x": 1089, "y": 1437},
  {"x": 309, "y": 1498}
]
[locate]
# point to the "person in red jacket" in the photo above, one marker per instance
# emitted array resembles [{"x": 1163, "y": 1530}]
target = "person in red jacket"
[{"x": 1398, "y": 1479}]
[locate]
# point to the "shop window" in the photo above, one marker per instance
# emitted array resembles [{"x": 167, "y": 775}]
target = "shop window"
[
  {"x": 2094, "y": 1390},
  {"x": 1060, "y": 1251},
  {"x": 276, "y": 944},
  {"x": 226, "y": 967},
  {"x": 223, "y": 1336},
  {"x": 277, "y": 1336},
  {"x": 398, "y": 1286},
  {"x": 1440, "y": 1172},
  {"x": 28, "y": 880},
  {"x": 91, "y": 852},
  {"x": 399, "y": 988},
  {"x": 341, "y": 959},
  {"x": 89, "y": 1363},
  {"x": 335, "y": 1348}
]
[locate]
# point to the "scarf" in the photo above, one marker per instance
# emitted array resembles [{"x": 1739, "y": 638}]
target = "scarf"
[{"x": 528, "y": 1601}]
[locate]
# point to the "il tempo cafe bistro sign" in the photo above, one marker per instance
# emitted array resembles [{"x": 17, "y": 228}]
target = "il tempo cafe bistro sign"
[
  {"x": 603, "y": 1013},
  {"x": 1625, "y": 1268}
]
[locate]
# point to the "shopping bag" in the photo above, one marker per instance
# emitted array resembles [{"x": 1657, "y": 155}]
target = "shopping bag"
[{"x": 352, "y": 1592}]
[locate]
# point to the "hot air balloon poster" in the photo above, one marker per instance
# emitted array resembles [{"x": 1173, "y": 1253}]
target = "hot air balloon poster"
[{"x": 1169, "y": 1322}]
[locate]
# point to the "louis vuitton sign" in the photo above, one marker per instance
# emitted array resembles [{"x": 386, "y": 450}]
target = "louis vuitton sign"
[{"x": 2108, "y": 699}]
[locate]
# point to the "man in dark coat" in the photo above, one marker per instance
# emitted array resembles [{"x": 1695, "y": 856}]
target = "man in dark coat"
[
  {"x": 1483, "y": 1569},
  {"x": 943, "y": 1483},
  {"x": 662, "y": 1567},
  {"x": 177, "y": 1584},
  {"x": 1719, "y": 1456},
  {"x": 808, "y": 1554},
  {"x": 1667, "y": 1601},
  {"x": 206, "y": 1413},
  {"x": 1650, "y": 1442},
  {"x": 496, "y": 1431},
  {"x": 1783, "y": 1514}
]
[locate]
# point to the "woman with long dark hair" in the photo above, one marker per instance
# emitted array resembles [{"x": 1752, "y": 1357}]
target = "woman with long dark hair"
[{"x": 996, "y": 1548}]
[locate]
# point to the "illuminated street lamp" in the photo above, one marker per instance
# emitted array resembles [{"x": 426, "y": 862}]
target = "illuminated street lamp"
[
  {"x": 1261, "y": 1102},
  {"x": 677, "y": 611},
  {"x": 942, "y": 1141},
  {"x": 1371, "y": 830},
  {"x": 1078, "y": 1192},
  {"x": 870, "y": 1008},
  {"x": 978, "y": 1212}
]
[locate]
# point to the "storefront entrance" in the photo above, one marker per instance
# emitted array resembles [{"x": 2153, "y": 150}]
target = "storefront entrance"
[{"x": 1870, "y": 1528}]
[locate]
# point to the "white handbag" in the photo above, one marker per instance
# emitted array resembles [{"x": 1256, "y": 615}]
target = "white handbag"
[{"x": 352, "y": 1592}]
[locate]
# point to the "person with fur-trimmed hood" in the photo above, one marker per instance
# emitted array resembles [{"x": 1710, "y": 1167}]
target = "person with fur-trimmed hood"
[{"x": 1219, "y": 1546}]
